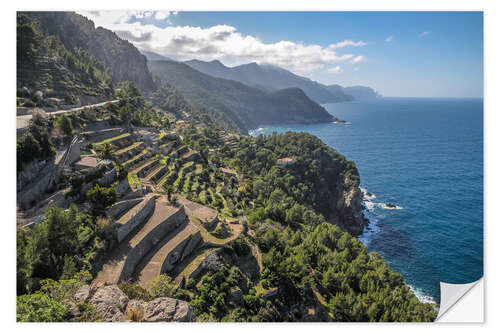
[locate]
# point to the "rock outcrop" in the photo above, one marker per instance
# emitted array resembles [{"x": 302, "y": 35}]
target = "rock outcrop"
[
  {"x": 113, "y": 305},
  {"x": 350, "y": 204},
  {"x": 161, "y": 309}
]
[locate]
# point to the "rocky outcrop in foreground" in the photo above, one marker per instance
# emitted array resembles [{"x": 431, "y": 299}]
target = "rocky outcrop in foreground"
[{"x": 114, "y": 306}]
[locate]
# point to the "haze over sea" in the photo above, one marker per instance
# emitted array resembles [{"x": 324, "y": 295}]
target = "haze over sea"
[{"x": 424, "y": 155}]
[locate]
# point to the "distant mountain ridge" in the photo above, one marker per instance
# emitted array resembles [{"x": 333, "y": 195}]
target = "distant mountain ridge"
[
  {"x": 271, "y": 78},
  {"x": 75, "y": 31},
  {"x": 152, "y": 56},
  {"x": 247, "y": 106}
]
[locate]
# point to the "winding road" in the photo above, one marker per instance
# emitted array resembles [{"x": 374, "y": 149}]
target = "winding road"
[{"x": 23, "y": 121}]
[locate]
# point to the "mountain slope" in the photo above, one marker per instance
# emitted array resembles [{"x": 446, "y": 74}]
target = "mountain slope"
[
  {"x": 360, "y": 92},
  {"x": 75, "y": 31},
  {"x": 247, "y": 106},
  {"x": 151, "y": 56},
  {"x": 270, "y": 78},
  {"x": 49, "y": 73}
]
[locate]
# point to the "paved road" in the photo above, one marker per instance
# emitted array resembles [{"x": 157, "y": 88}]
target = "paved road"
[{"x": 22, "y": 121}]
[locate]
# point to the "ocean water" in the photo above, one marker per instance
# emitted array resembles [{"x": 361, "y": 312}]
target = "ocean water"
[{"x": 425, "y": 156}]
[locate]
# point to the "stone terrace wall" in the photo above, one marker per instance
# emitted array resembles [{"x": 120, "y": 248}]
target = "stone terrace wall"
[
  {"x": 122, "y": 206},
  {"x": 137, "y": 219},
  {"x": 147, "y": 243},
  {"x": 181, "y": 251}
]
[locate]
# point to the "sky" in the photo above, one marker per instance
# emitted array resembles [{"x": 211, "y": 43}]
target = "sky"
[{"x": 400, "y": 54}]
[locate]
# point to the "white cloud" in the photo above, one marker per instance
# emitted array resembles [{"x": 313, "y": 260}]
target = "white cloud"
[
  {"x": 425, "y": 33},
  {"x": 356, "y": 69},
  {"x": 357, "y": 59},
  {"x": 389, "y": 39},
  {"x": 221, "y": 42},
  {"x": 335, "y": 70},
  {"x": 161, "y": 15},
  {"x": 345, "y": 43}
]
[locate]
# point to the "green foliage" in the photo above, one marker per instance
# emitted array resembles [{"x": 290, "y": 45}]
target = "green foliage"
[
  {"x": 135, "y": 291},
  {"x": 161, "y": 286},
  {"x": 36, "y": 143},
  {"x": 39, "y": 307},
  {"x": 301, "y": 252},
  {"x": 63, "y": 242},
  {"x": 51, "y": 303},
  {"x": 101, "y": 197},
  {"x": 63, "y": 122},
  {"x": 28, "y": 36}
]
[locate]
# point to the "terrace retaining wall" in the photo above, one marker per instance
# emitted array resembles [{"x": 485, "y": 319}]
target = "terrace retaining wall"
[
  {"x": 122, "y": 206},
  {"x": 136, "y": 220},
  {"x": 181, "y": 251},
  {"x": 135, "y": 256}
]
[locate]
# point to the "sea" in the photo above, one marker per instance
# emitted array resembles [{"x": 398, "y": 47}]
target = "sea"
[{"x": 421, "y": 166}]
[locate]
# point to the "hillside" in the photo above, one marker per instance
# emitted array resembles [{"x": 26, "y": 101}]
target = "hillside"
[
  {"x": 152, "y": 56},
  {"x": 76, "y": 32},
  {"x": 247, "y": 106},
  {"x": 360, "y": 92},
  {"x": 270, "y": 78},
  {"x": 50, "y": 73}
]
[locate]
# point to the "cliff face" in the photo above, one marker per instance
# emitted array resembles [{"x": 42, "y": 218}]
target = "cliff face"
[
  {"x": 339, "y": 197},
  {"x": 350, "y": 209},
  {"x": 125, "y": 62}
]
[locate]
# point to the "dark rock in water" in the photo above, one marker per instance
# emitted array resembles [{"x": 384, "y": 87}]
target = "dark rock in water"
[
  {"x": 390, "y": 205},
  {"x": 369, "y": 194}
]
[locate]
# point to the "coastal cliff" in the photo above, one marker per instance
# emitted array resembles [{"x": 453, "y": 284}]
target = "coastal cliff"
[{"x": 297, "y": 171}]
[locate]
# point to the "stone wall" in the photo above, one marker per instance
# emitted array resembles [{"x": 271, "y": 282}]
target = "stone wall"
[
  {"x": 136, "y": 220},
  {"x": 118, "y": 208},
  {"x": 144, "y": 171},
  {"x": 181, "y": 251},
  {"x": 100, "y": 135},
  {"x": 35, "y": 190},
  {"x": 108, "y": 178},
  {"x": 122, "y": 187},
  {"x": 135, "y": 256}
]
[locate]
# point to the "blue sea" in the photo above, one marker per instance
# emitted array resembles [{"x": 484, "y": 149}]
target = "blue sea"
[{"x": 425, "y": 156}]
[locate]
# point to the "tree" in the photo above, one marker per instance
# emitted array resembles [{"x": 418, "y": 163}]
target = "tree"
[
  {"x": 28, "y": 37},
  {"x": 63, "y": 122},
  {"x": 101, "y": 197}
]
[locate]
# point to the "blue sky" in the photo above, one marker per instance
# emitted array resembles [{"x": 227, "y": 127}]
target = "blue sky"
[{"x": 421, "y": 54}]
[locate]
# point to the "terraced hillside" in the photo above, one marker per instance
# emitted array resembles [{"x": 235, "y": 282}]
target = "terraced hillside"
[{"x": 157, "y": 235}]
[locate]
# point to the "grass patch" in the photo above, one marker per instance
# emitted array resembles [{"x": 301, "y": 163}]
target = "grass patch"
[
  {"x": 134, "y": 181},
  {"x": 126, "y": 149},
  {"x": 135, "y": 158},
  {"x": 124, "y": 135}
]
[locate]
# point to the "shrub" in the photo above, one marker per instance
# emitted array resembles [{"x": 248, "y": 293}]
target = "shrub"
[
  {"x": 161, "y": 286},
  {"x": 63, "y": 122},
  {"x": 101, "y": 197},
  {"x": 39, "y": 307},
  {"x": 135, "y": 291}
]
